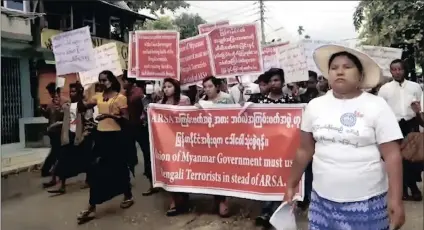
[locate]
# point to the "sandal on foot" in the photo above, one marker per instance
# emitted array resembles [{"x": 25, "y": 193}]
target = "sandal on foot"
[
  {"x": 127, "y": 203},
  {"x": 150, "y": 192},
  {"x": 263, "y": 221},
  {"x": 58, "y": 191},
  {"x": 86, "y": 216},
  {"x": 175, "y": 211}
]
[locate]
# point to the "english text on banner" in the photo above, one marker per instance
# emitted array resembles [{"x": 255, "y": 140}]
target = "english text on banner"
[{"x": 217, "y": 151}]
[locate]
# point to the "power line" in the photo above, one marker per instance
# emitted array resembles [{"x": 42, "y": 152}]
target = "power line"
[
  {"x": 231, "y": 11},
  {"x": 232, "y": 16}
]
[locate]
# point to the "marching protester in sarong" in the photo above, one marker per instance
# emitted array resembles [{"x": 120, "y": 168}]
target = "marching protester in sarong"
[
  {"x": 54, "y": 113},
  {"x": 352, "y": 137},
  {"x": 75, "y": 150},
  {"x": 400, "y": 94},
  {"x": 109, "y": 172}
]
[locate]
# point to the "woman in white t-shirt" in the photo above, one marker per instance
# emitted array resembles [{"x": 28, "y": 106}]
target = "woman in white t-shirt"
[{"x": 352, "y": 137}]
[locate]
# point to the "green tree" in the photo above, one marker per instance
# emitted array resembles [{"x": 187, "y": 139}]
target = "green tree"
[
  {"x": 163, "y": 23},
  {"x": 387, "y": 23},
  {"x": 187, "y": 24},
  {"x": 157, "y": 5}
]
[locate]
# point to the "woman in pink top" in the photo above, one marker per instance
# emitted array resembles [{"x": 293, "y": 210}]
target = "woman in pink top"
[{"x": 172, "y": 93}]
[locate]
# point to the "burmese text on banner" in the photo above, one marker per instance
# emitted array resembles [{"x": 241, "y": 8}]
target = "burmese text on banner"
[
  {"x": 235, "y": 50},
  {"x": 73, "y": 51},
  {"x": 270, "y": 55},
  {"x": 195, "y": 60},
  {"x": 216, "y": 151},
  {"x": 158, "y": 55},
  {"x": 206, "y": 28}
]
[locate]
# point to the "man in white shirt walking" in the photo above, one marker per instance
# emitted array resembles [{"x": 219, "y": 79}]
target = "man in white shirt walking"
[{"x": 400, "y": 94}]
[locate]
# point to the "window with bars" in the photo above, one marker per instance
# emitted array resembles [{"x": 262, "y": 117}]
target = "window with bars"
[{"x": 11, "y": 100}]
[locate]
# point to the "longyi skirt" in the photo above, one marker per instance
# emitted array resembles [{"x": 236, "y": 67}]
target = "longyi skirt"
[
  {"x": 109, "y": 175},
  {"x": 371, "y": 214}
]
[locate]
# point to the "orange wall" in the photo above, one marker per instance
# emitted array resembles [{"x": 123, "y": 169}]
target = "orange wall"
[{"x": 44, "y": 78}]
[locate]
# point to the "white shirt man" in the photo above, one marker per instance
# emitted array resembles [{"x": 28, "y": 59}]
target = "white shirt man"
[{"x": 399, "y": 96}]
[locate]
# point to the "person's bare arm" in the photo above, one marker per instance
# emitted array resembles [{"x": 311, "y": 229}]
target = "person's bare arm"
[
  {"x": 303, "y": 156},
  {"x": 390, "y": 152},
  {"x": 89, "y": 104}
]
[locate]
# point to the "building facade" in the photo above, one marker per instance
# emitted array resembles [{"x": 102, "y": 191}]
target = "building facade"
[{"x": 28, "y": 62}]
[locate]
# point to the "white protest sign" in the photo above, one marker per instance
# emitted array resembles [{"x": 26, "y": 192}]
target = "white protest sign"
[
  {"x": 383, "y": 56},
  {"x": 73, "y": 51},
  {"x": 270, "y": 55},
  {"x": 310, "y": 46},
  {"x": 293, "y": 61},
  {"x": 60, "y": 82},
  {"x": 107, "y": 58}
]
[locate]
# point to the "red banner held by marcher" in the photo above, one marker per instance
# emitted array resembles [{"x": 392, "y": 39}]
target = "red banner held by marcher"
[
  {"x": 132, "y": 55},
  {"x": 195, "y": 60},
  {"x": 158, "y": 55},
  {"x": 235, "y": 50},
  {"x": 206, "y": 28},
  {"x": 219, "y": 152}
]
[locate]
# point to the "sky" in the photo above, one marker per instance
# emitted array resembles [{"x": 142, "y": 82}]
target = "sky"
[{"x": 323, "y": 20}]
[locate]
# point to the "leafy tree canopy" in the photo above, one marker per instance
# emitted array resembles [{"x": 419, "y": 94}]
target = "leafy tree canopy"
[
  {"x": 163, "y": 23},
  {"x": 157, "y": 5},
  {"x": 387, "y": 23},
  {"x": 185, "y": 23},
  {"x": 188, "y": 24}
]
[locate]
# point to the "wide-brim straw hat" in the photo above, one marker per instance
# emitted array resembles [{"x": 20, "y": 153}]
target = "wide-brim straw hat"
[{"x": 371, "y": 70}]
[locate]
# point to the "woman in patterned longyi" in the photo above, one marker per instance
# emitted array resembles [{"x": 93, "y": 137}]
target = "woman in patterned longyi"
[{"x": 352, "y": 137}]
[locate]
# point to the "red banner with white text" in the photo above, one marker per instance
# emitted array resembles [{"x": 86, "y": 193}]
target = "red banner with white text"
[
  {"x": 217, "y": 151},
  {"x": 236, "y": 50},
  {"x": 195, "y": 60},
  {"x": 206, "y": 28},
  {"x": 158, "y": 55}
]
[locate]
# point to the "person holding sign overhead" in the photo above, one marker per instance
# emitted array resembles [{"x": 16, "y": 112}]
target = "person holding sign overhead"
[
  {"x": 352, "y": 137},
  {"x": 75, "y": 149},
  {"x": 109, "y": 174}
]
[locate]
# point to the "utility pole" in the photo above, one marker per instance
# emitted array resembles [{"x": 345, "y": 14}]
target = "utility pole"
[{"x": 262, "y": 19}]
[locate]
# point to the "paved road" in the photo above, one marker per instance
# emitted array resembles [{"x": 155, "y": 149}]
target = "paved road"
[{"x": 26, "y": 206}]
